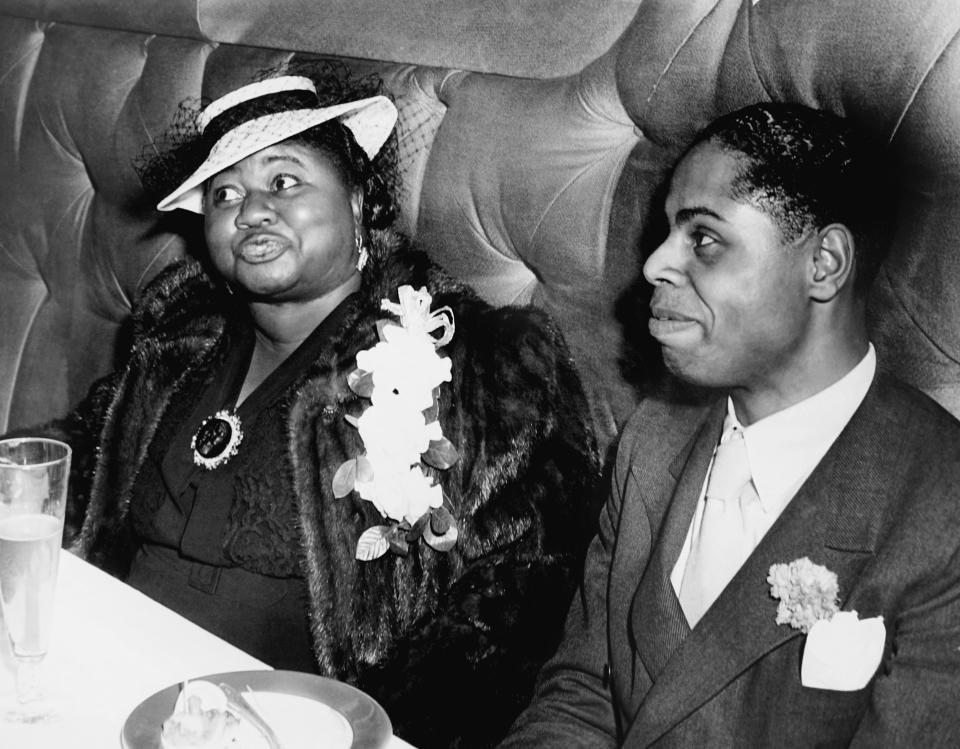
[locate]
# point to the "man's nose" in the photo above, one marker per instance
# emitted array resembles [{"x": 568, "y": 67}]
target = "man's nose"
[{"x": 663, "y": 265}]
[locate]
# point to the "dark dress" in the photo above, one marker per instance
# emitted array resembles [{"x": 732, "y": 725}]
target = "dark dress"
[{"x": 220, "y": 546}]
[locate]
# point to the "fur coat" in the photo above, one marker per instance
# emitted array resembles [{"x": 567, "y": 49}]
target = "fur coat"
[{"x": 448, "y": 643}]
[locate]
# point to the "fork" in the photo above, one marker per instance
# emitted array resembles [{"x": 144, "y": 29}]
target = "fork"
[{"x": 239, "y": 704}]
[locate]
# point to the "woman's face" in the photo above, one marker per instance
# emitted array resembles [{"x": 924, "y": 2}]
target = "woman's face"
[{"x": 281, "y": 224}]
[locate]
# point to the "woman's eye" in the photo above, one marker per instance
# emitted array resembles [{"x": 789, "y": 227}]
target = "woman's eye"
[
  {"x": 284, "y": 182},
  {"x": 225, "y": 194}
]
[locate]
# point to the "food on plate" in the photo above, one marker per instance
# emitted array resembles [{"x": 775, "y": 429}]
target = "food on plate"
[{"x": 202, "y": 719}]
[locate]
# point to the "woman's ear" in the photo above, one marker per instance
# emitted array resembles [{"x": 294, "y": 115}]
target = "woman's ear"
[
  {"x": 356, "y": 205},
  {"x": 833, "y": 261}
]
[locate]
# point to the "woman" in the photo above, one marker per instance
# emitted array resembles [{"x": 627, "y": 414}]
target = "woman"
[{"x": 231, "y": 459}]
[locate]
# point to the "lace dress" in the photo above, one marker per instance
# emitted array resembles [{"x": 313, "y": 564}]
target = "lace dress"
[{"x": 222, "y": 546}]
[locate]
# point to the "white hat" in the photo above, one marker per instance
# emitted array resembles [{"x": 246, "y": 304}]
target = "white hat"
[{"x": 370, "y": 120}]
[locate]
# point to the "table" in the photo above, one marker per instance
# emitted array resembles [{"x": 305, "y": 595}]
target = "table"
[{"x": 112, "y": 647}]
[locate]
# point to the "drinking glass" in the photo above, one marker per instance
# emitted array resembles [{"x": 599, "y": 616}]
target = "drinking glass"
[{"x": 33, "y": 495}]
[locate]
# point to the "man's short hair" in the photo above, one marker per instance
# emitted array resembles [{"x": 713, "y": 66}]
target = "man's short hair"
[{"x": 807, "y": 168}]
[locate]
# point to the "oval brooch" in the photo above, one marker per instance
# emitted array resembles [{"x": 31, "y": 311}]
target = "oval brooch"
[{"x": 216, "y": 440}]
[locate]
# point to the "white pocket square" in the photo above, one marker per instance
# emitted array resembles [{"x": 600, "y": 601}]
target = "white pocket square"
[{"x": 842, "y": 653}]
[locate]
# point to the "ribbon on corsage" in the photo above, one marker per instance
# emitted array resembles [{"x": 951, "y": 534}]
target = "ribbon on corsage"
[{"x": 402, "y": 437}]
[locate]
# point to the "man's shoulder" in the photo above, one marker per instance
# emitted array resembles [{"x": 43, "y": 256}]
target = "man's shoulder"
[
  {"x": 664, "y": 422},
  {"x": 924, "y": 439},
  {"x": 915, "y": 412}
]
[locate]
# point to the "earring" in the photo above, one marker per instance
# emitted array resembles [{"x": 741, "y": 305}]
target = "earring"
[{"x": 363, "y": 254}]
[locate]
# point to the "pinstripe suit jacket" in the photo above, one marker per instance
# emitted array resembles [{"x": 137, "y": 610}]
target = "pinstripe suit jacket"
[{"x": 882, "y": 510}]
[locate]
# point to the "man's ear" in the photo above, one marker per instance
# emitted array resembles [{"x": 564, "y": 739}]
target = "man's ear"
[{"x": 833, "y": 261}]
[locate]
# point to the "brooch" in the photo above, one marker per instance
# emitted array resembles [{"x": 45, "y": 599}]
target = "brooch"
[{"x": 216, "y": 440}]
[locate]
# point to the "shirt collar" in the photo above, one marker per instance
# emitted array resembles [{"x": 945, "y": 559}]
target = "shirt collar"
[{"x": 786, "y": 446}]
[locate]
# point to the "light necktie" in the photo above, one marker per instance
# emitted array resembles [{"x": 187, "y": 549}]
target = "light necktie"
[{"x": 728, "y": 529}]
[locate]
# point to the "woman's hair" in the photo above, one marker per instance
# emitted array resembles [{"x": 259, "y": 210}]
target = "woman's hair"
[
  {"x": 336, "y": 142},
  {"x": 166, "y": 162}
]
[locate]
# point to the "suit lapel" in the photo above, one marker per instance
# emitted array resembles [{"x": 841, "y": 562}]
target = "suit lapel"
[
  {"x": 834, "y": 520},
  {"x": 658, "y": 622}
]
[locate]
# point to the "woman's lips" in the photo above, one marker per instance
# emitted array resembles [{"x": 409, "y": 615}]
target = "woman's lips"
[{"x": 261, "y": 249}]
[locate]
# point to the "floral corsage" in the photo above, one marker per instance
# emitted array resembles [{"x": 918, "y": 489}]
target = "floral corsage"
[
  {"x": 808, "y": 592},
  {"x": 401, "y": 375}
]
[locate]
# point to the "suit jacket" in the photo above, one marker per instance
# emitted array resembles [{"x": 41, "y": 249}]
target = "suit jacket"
[{"x": 881, "y": 510}]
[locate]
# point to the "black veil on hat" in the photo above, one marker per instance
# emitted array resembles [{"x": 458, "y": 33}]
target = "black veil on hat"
[
  {"x": 304, "y": 92},
  {"x": 292, "y": 106}
]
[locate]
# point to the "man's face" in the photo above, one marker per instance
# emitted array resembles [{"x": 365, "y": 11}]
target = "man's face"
[{"x": 730, "y": 307}]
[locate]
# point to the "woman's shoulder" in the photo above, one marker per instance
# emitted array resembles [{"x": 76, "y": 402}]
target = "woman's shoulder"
[
  {"x": 396, "y": 261},
  {"x": 506, "y": 329},
  {"x": 178, "y": 296},
  {"x": 511, "y": 363}
]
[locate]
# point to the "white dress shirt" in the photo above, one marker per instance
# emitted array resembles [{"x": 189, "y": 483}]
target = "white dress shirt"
[{"x": 785, "y": 447}]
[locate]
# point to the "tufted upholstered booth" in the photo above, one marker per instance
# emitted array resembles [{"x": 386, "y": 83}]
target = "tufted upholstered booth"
[{"x": 535, "y": 137}]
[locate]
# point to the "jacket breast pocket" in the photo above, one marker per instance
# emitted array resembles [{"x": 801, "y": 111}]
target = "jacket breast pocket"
[{"x": 828, "y": 704}]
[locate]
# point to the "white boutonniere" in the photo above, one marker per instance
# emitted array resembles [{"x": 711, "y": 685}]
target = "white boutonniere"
[
  {"x": 402, "y": 437},
  {"x": 808, "y": 592},
  {"x": 842, "y": 651}
]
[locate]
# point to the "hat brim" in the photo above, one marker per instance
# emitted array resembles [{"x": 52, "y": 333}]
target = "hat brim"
[{"x": 370, "y": 120}]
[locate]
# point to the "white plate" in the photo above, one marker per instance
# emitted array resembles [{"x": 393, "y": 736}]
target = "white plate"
[{"x": 305, "y": 711}]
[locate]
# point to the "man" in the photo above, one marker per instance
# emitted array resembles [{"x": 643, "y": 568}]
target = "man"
[{"x": 707, "y": 617}]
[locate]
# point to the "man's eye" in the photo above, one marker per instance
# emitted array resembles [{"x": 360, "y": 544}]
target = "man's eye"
[
  {"x": 225, "y": 194},
  {"x": 705, "y": 246},
  {"x": 284, "y": 182},
  {"x": 702, "y": 240}
]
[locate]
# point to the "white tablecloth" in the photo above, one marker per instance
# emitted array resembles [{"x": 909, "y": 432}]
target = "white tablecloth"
[{"x": 113, "y": 647}]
